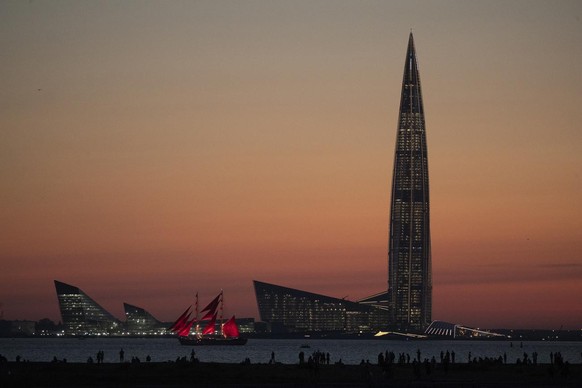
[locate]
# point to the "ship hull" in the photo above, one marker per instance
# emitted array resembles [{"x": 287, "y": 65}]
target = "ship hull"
[{"x": 212, "y": 341}]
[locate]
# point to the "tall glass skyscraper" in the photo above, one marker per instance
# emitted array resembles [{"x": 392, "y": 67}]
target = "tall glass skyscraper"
[{"x": 409, "y": 256}]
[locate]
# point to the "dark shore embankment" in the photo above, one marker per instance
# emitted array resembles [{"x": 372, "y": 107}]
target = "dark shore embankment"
[{"x": 36, "y": 374}]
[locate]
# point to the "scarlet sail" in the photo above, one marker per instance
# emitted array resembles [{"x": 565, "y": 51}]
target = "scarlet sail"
[
  {"x": 177, "y": 326},
  {"x": 209, "y": 329},
  {"x": 230, "y": 329},
  {"x": 212, "y": 305},
  {"x": 185, "y": 329}
]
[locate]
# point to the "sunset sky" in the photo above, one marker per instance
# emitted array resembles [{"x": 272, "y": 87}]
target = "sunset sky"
[{"x": 152, "y": 149}]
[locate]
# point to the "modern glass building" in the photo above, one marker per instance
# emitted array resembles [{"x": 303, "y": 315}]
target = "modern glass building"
[
  {"x": 407, "y": 303},
  {"x": 291, "y": 310},
  {"x": 140, "y": 322},
  {"x": 82, "y": 315},
  {"x": 409, "y": 253}
]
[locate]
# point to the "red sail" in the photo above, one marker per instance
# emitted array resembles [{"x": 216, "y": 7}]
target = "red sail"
[
  {"x": 208, "y": 315},
  {"x": 230, "y": 329},
  {"x": 212, "y": 305},
  {"x": 181, "y": 325},
  {"x": 209, "y": 329},
  {"x": 186, "y": 328},
  {"x": 181, "y": 320}
]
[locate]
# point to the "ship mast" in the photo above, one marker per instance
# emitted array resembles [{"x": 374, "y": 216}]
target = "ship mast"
[
  {"x": 197, "y": 329},
  {"x": 221, "y": 313}
]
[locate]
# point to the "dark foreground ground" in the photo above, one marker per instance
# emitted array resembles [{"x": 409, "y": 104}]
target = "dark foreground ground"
[{"x": 36, "y": 374}]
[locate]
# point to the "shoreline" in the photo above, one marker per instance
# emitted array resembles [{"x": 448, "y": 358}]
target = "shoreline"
[
  {"x": 506, "y": 335},
  {"x": 181, "y": 374}
]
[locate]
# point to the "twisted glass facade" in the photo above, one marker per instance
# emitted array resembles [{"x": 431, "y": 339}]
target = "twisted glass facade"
[{"x": 409, "y": 256}]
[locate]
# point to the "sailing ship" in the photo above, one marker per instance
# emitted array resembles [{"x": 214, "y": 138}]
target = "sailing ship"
[{"x": 227, "y": 335}]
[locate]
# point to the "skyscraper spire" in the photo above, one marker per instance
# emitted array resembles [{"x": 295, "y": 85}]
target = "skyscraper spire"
[
  {"x": 409, "y": 253},
  {"x": 411, "y": 100}
]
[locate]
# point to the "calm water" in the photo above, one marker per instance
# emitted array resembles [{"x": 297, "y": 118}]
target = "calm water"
[{"x": 286, "y": 350}]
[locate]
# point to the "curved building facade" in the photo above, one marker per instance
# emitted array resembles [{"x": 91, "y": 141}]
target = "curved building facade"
[
  {"x": 82, "y": 315},
  {"x": 291, "y": 310},
  {"x": 140, "y": 322}
]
